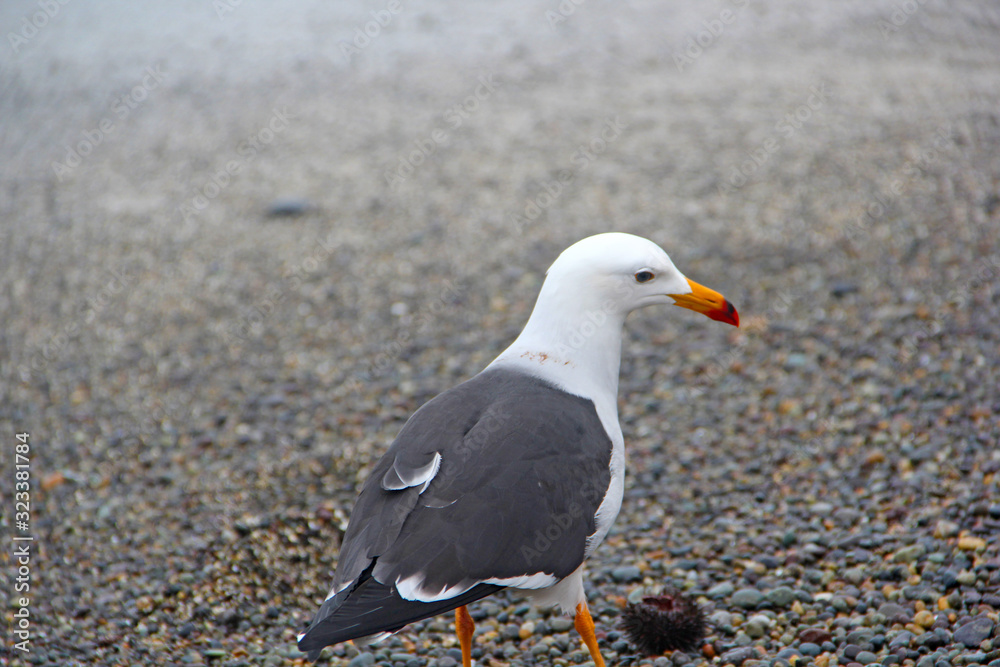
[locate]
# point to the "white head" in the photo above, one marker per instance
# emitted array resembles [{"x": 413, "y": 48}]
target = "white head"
[
  {"x": 573, "y": 337},
  {"x": 619, "y": 273}
]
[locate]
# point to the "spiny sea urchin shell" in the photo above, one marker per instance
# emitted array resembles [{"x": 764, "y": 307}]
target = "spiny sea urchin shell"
[{"x": 667, "y": 622}]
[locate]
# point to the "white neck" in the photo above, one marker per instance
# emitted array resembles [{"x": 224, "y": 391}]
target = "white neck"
[{"x": 573, "y": 344}]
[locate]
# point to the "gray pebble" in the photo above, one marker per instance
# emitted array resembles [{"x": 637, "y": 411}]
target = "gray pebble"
[
  {"x": 909, "y": 554},
  {"x": 902, "y": 640},
  {"x": 560, "y": 624},
  {"x": 866, "y": 657},
  {"x": 974, "y": 632},
  {"x": 755, "y": 628},
  {"x": 810, "y": 649},
  {"x": 626, "y": 574},
  {"x": 362, "y": 660},
  {"x": 747, "y": 598},
  {"x": 851, "y": 651},
  {"x": 738, "y": 656},
  {"x": 855, "y": 575},
  {"x": 782, "y": 596},
  {"x": 725, "y": 589},
  {"x": 720, "y": 618},
  {"x": 285, "y": 207},
  {"x": 895, "y": 613}
]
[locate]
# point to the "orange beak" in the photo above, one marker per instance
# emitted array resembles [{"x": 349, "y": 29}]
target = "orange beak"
[{"x": 707, "y": 302}]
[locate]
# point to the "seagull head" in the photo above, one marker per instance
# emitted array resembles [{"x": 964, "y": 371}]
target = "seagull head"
[{"x": 622, "y": 272}]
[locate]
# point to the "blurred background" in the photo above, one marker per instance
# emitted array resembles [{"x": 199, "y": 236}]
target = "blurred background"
[{"x": 241, "y": 241}]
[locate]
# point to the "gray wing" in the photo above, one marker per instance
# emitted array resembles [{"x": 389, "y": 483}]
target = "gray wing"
[
  {"x": 520, "y": 470},
  {"x": 496, "y": 479}
]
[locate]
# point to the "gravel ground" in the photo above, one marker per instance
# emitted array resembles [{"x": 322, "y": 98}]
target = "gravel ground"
[{"x": 236, "y": 254}]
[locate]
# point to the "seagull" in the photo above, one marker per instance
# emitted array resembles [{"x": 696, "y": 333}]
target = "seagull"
[{"x": 512, "y": 478}]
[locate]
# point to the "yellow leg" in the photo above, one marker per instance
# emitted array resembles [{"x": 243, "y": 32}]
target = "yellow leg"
[
  {"x": 464, "y": 627},
  {"x": 585, "y": 626}
]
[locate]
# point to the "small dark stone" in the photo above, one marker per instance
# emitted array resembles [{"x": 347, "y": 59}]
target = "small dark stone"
[
  {"x": 974, "y": 632},
  {"x": 810, "y": 649},
  {"x": 866, "y": 657},
  {"x": 851, "y": 651},
  {"x": 902, "y": 640},
  {"x": 815, "y": 635},
  {"x": 842, "y": 289},
  {"x": 948, "y": 578},
  {"x": 288, "y": 207}
]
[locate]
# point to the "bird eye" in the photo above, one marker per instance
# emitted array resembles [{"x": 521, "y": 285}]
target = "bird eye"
[{"x": 644, "y": 276}]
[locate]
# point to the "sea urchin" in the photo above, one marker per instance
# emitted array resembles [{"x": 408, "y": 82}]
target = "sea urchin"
[{"x": 661, "y": 623}]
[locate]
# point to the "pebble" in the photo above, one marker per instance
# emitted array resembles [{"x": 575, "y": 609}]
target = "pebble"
[
  {"x": 901, "y": 640},
  {"x": 855, "y": 575},
  {"x": 945, "y": 529},
  {"x": 782, "y": 596},
  {"x": 737, "y": 656},
  {"x": 974, "y": 632},
  {"x": 364, "y": 659},
  {"x": 560, "y": 624},
  {"x": 966, "y": 578},
  {"x": 895, "y": 613},
  {"x": 971, "y": 543},
  {"x": 909, "y": 554},
  {"x": 747, "y": 598},
  {"x": 815, "y": 635},
  {"x": 866, "y": 658},
  {"x": 626, "y": 574},
  {"x": 757, "y": 626},
  {"x": 722, "y": 590},
  {"x": 810, "y": 649},
  {"x": 285, "y": 207}
]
